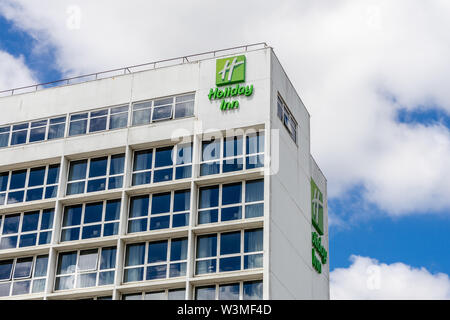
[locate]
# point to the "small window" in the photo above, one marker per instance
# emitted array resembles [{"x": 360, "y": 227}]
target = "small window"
[
  {"x": 19, "y": 134},
  {"x": 4, "y": 136},
  {"x": 285, "y": 115},
  {"x": 118, "y": 117},
  {"x": 38, "y": 130},
  {"x": 97, "y": 120},
  {"x": 56, "y": 128},
  {"x": 78, "y": 124}
]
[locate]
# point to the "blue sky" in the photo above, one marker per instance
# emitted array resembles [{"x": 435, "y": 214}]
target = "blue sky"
[{"x": 386, "y": 160}]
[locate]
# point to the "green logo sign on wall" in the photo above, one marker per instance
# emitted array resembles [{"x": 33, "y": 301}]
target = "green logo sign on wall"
[
  {"x": 317, "y": 222},
  {"x": 230, "y": 71}
]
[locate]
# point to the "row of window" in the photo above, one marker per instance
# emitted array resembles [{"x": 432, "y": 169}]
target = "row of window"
[
  {"x": 285, "y": 115},
  {"x": 163, "y": 210},
  {"x": 149, "y": 166},
  {"x": 162, "y": 259},
  {"x": 99, "y": 120}
]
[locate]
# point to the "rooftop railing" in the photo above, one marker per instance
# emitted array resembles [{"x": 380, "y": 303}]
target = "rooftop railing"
[{"x": 131, "y": 69}]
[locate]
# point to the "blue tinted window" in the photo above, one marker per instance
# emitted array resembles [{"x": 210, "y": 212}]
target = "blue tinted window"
[
  {"x": 230, "y": 264},
  {"x": 15, "y": 197},
  {"x": 34, "y": 194},
  {"x": 8, "y": 242},
  {"x": 253, "y": 240},
  {"x": 231, "y": 213},
  {"x": 30, "y": 221},
  {"x": 70, "y": 234},
  {"x": 161, "y": 203},
  {"x": 67, "y": 262},
  {"x": 77, "y": 170},
  {"x": 208, "y": 216},
  {"x": 93, "y": 212},
  {"x": 231, "y": 193},
  {"x": 53, "y": 174},
  {"x": 210, "y": 150},
  {"x": 97, "y": 124},
  {"x": 209, "y": 197},
  {"x": 142, "y": 160},
  {"x": 205, "y": 293},
  {"x": 232, "y": 146},
  {"x": 96, "y": 185},
  {"x": 255, "y": 143},
  {"x": 184, "y": 154},
  {"x": 139, "y": 206},
  {"x": 47, "y": 219},
  {"x": 27, "y": 240},
  {"x": 11, "y": 223},
  {"x": 5, "y": 269},
  {"x": 4, "y": 181},
  {"x": 112, "y": 210},
  {"x": 180, "y": 220},
  {"x": 253, "y": 290},
  {"x": 18, "y": 179},
  {"x": 157, "y": 251},
  {"x": 19, "y": 137},
  {"x": 138, "y": 225},
  {"x": 72, "y": 215},
  {"x": 254, "y": 190},
  {"x": 23, "y": 268},
  {"x": 117, "y": 164},
  {"x": 108, "y": 258},
  {"x": 97, "y": 167},
  {"x": 229, "y": 291},
  {"x": 163, "y": 157},
  {"x": 182, "y": 200},
  {"x": 163, "y": 175},
  {"x": 40, "y": 267},
  {"x": 178, "y": 249},
  {"x": 159, "y": 222},
  {"x": 230, "y": 242},
  {"x": 135, "y": 254},
  {"x": 206, "y": 246},
  {"x": 78, "y": 124},
  {"x": 38, "y": 134},
  {"x": 156, "y": 272}
]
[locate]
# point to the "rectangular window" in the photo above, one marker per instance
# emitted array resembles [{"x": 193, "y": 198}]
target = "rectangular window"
[
  {"x": 38, "y": 130},
  {"x": 4, "y": 136},
  {"x": 21, "y": 276},
  {"x": 162, "y": 164},
  {"x": 29, "y": 184},
  {"x": 57, "y": 128},
  {"x": 118, "y": 117},
  {"x": 231, "y": 201},
  {"x": 91, "y": 220},
  {"x": 159, "y": 211},
  {"x": 228, "y": 154},
  {"x": 285, "y": 115},
  {"x": 26, "y": 229},
  {"x": 96, "y": 174},
  {"x": 229, "y": 251},
  {"x": 78, "y": 124},
  {"x": 19, "y": 133},
  {"x": 156, "y": 260},
  {"x": 167, "y": 294},
  {"x": 184, "y": 106},
  {"x": 247, "y": 290},
  {"x": 85, "y": 268}
]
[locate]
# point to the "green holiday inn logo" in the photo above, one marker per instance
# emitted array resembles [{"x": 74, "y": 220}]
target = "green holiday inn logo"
[
  {"x": 316, "y": 207},
  {"x": 230, "y": 71}
]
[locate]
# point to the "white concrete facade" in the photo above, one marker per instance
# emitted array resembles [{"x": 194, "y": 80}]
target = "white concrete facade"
[{"x": 286, "y": 272}]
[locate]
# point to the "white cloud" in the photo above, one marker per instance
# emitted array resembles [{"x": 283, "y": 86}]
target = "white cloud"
[
  {"x": 13, "y": 72},
  {"x": 367, "y": 279},
  {"x": 345, "y": 58}
]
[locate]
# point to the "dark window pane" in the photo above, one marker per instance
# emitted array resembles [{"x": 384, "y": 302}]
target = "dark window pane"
[
  {"x": 254, "y": 210},
  {"x": 56, "y": 131},
  {"x": 209, "y": 197},
  {"x": 206, "y": 246},
  {"x": 91, "y": 231},
  {"x": 30, "y": 221},
  {"x": 118, "y": 120},
  {"x": 142, "y": 160},
  {"x": 50, "y": 192},
  {"x": 21, "y": 287},
  {"x": 37, "y": 134},
  {"x": 5, "y": 269},
  {"x": 135, "y": 254},
  {"x": 183, "y": 172},
  {"x": 231, "y": 193},
  {"x": 177, "y": 270},
  {"x": 72, "y": 215},
  {"x": 97, "y": 124},
  {"x": 45, "y": 237},
  {"x": 232, "y": 146},
  {"x": 255, "y": 161},
  {"x": 254, "y": 190},
  {"x": 161, "y": 203},
  {"x": 230, "y": 243},
  {"x": 205, "y": 293},
  {"x": 209, "y": 168},
  {"x": 184, "y": 153},
  {"x": 47, "y": 219},
  {"x": 138, "y": 225},
  {"x": 4, "y": 177},
  {"x": 77, "y": 170},
  {"x": 255, "y": 143},
  {"x": 108, "y": 260},
  {"x": 75, "y": 188},
  {"x": 163, "y": 175},
  {"x": 115, "y": 182},
  {"x": 11, "y": 223},
  {"x": 159, "y": 222},
  {"x": 40, "y": 268},
  {"x": 231, "y": 165},
  {"x": 4, "y": 140},
  {"x": 70, "y": 234},
  {"x": 180, "y": 220},
  {"x": 157, "y": 251},
  {"x": 93, "y": 212},
  {"x": 19, "y": 137},
  {"x": 27, "y": 240},
  {"x": 23, "y": 268},
  {"x": 232, "y": 213},
  {"x": 139, "y": 206},
  {"x": 230, "y": 264},
  {"x": 77, "y": 127},
  {"x": 53, "y": 174},
  {"x": 163, "y": 157},
  {"x": 18, "y": 179},
  {"x": 178, "y": 249},
  {"x": 253, "y": 261},
  {"x": 210, "y": 150},
  {"x": 34, "y": 194},
  {"x": 156, "y": 272},
  {"x": 64, "y": 283},
  {"x": 253, "y": 240},
  {"x": 112, "y": 210},
  {"x": 182, "y": 200},
  {"x": 110, "y": 229},
  {"x": 97, "y": 167},
  {"x": 141, "y": 178},
  {"x": 117, "y": 164},
  {"x": 206, "y": 266}
]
